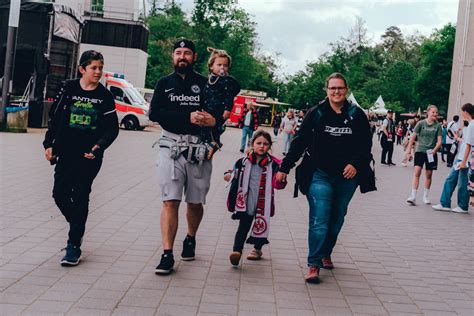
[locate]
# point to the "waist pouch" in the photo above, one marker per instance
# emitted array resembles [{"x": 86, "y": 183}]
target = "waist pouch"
[{"x": 186, "y": 146}]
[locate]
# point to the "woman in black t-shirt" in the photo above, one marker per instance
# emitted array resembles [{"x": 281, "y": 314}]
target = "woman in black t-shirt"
[
  {"x": 82, "y": 124},
  {"x": 336, "y": 134}
]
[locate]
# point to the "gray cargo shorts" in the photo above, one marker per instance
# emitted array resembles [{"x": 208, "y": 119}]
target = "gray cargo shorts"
[{"x": 192, "y": 178}]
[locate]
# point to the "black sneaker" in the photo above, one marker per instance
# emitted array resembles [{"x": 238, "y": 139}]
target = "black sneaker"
[
  {"x": 189, "y": 246},
  {"x": 166, "y": 264},
  {"x": 72, "y": 257}
]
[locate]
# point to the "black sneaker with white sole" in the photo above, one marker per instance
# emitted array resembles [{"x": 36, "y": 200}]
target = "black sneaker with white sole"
[
  {"x": 189, "y": 247},
  {"x": 166, "y": 264},
  {"x": 72, "y": 257}
]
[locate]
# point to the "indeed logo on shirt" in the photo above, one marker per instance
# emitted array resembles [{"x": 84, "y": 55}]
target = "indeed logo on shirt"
[
  {"x": 338, "y": 131},
  {"x": 183, "y": 98}
]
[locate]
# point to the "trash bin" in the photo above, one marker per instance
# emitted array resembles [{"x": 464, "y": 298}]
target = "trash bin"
[{"x": 17, "y": 119}]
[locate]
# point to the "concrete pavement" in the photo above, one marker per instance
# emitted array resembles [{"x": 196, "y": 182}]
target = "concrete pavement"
[{"x": 390, "y": 258}]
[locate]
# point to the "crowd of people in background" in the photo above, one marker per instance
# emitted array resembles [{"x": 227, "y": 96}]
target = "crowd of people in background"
[{"x": 425, "y": 138}]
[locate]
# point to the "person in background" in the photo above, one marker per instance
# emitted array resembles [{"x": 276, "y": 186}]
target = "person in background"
[
  {"x": 444, "y": 133},
  {"x": 406, "y": 141},
  {"x": 458, "y": 175},
  {"x": 387, "y": 139},
  {"x": 299, "y": 120},
  {"x": 288, "y": 130},
  {"x": 399, "y": 133},
  {"x": 451, "y": 145},
  {"x": 276, "y": 123},
  {"x": 427, "y": 134},
  {"x": 248, "y": 122}
]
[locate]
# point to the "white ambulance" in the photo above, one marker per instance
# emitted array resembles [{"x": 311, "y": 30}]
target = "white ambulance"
[{"x": 132, "y": 109}]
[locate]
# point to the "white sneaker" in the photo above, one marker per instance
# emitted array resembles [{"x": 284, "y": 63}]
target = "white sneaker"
[
  {"x": 459, "y": 210},
  {"x": 426, "y": 200},
  {"x": 404, "y": 164},
  {"x": 439, "y": 207},
  {"x": 411, "y": 200}
]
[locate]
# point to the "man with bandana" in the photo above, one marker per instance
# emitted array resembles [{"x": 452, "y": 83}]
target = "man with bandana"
[{"x": 177, "y": 107}]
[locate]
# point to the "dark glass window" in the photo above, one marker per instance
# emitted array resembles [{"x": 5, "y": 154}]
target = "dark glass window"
[{"x": 115, "y": 34}]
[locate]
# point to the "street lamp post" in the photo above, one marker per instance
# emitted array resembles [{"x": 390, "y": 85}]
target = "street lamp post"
[{"x": 13, "y": 21}]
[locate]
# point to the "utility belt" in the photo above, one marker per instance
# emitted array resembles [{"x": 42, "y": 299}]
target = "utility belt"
[{"x": 189, "y": 146}]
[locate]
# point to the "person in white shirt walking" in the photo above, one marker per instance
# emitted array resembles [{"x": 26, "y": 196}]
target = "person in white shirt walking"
[
  {"x": 459, "y": 172},
  {"x": 452, "y": 133}
]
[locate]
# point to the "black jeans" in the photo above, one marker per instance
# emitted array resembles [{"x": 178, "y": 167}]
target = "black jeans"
[
  {"x": 450, "y": 156},
  {"x": 275, "y": 130},
  {"x": 444, "y": 151},
  {"x": 73, "y": 179},
  {"x": 241, "y": 235},
  {"x": 387, "y": 150}
]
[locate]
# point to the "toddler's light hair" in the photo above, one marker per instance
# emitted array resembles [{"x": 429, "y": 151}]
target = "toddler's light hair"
[{"x": 217, "y": 53}]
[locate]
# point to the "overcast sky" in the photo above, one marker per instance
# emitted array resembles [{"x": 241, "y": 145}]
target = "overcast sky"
[{"x": 301, "y": 30}]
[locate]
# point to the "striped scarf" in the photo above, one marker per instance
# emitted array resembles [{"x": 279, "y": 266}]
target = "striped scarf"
[{"x": 261, "y": 223}]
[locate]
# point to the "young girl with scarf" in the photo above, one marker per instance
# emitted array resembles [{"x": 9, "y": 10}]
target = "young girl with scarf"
[{"x": 251, "y": 196}]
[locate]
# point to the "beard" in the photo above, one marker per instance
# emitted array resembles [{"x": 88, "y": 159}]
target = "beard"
[{"x": 184, "y": 69}]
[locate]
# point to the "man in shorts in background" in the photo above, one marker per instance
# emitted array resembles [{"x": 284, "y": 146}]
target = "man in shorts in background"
[{"x": 177, "y": 105}]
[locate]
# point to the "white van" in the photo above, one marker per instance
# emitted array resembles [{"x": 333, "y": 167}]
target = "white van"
[
  {"x": 147, "y": 94},
  {"x": 132, "y": 109}
]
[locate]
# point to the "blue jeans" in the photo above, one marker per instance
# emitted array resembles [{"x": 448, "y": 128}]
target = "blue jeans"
[
  {"x": 246, "y": 132},
  {"x": 328, "y": 198},
  {"x": 287, "y": 138},
  {"x": 459, "y": 178}
]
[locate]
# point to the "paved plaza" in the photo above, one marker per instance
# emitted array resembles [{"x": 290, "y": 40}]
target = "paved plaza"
[{"x": 391, "y": 258}]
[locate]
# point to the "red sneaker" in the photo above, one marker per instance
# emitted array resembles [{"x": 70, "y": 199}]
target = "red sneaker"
[
  {"x": 327, "y": 263},
  {"x": 313, "y": 275}
]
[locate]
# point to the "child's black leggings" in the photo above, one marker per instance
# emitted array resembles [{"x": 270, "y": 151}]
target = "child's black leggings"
[{"x": 241, "y": 235}]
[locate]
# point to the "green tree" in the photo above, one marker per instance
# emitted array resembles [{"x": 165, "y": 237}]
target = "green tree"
[
  {"x": 166, "y": 26},
  {"x": 224, "y": 25},
  {"x": 399, "y": 84},
  {"x": 435, "y": 75}
]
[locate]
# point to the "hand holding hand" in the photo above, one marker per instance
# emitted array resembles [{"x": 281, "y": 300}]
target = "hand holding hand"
[{"x": 281, "y": 176}]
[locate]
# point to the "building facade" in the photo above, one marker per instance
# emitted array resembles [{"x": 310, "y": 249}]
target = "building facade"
[
  {"x": 462, "y": 75},
  {"x": 114, "y": 28}
]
